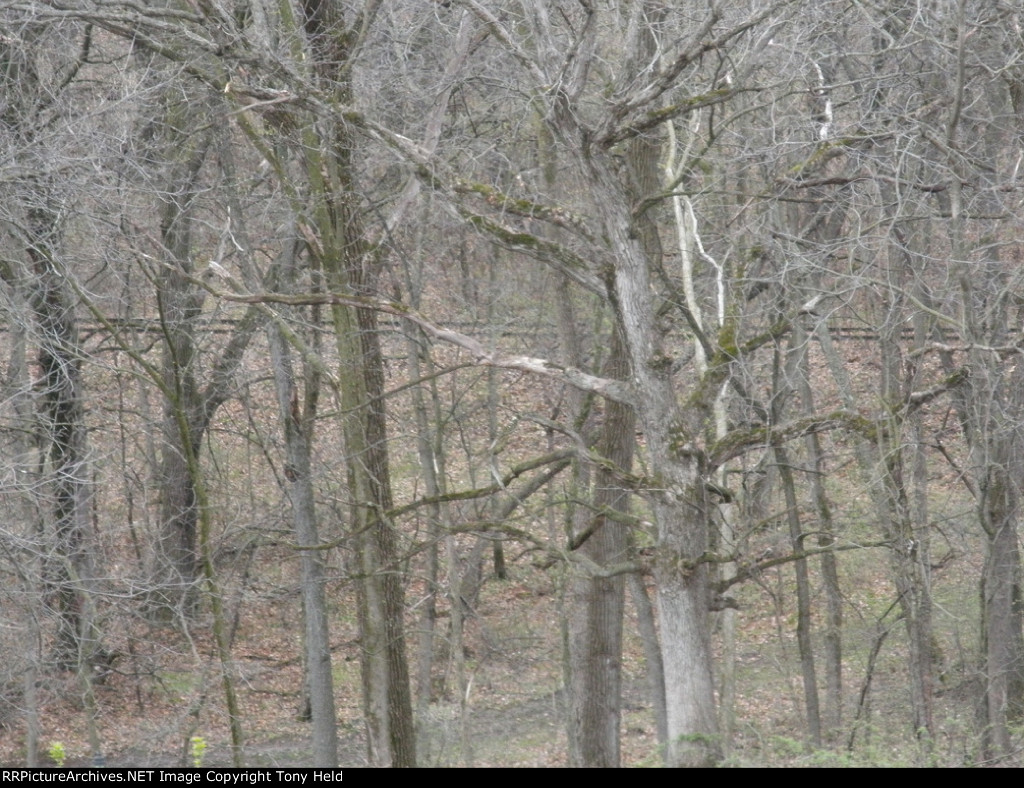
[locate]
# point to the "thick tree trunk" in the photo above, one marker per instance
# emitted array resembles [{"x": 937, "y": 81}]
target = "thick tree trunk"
[
  {"x": 381, "y": 609},
  {"x": 333, "y": 216},
  {"x": 598, "y": 604},
  {"x": 389, "y": 718},
  {"x": 596, "y": 643},
  {"x": 685, "y": 645},
  {"x": 679, "y": 502},
  {"x": 33, "y": 105},
  {"x": 652, "y": 655},
  {"x": 990, "y": 406}
]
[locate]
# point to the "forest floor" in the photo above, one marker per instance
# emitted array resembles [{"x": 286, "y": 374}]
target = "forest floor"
[{"x": 165, "y": 688}]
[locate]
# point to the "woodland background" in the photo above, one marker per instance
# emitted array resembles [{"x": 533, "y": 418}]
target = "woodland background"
[{"x": 585, "y": 382}]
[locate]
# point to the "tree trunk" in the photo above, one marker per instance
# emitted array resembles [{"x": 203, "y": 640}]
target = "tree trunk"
[
  {"x": 390, "y": 728},
  {"x": 1002, "y": 605},
  {"x": 679, "y": 503},
  {"x": 833, "y": 635},
  {"x": 598, "y": 604},
  {"x": 990, "y": 404},
  {"x": 343, "y": 255},
  {"x": 297, "y": 418},
  {"x": 430, "y": 448},
  {"x": 70, "y": 565},
  {"x": 596, "y": 632},
  {"x": 176, "y": 569},
  {"x": 652, "y": 655},
  {"x": 31, "y": 106},
  {"x": 780, "y": 391},
  {"x": 803, "y": 598}
]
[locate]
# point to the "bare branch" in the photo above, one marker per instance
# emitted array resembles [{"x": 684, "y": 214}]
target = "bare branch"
[
  {"x": 499, "y": 32},
  {"x": 748, "y": 571},
  {"x": 738, "y": 441},
  {"x": 558, "y": 460},
  {"x": 616, "y": 390}
]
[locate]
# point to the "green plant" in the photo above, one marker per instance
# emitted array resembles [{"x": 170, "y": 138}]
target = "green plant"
[
  {"x": 786, "y": 747},
  {"x": 57, "y": 752},
  {"x": 197, "y": 749}
]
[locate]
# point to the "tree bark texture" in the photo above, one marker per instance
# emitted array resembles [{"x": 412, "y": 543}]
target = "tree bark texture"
[
  {"x": 679, "y": 501},
  {"x": 347, "y": 266},
  {"x": 596, "y": 633}
]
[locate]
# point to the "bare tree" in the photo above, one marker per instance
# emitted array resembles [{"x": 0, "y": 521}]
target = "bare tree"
[
  {"x": 976, "y": 139},
  {"x": 711, "y": 192},
  {"x": 673, "y": 430},
  {"x": 38, "y": 107}
]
